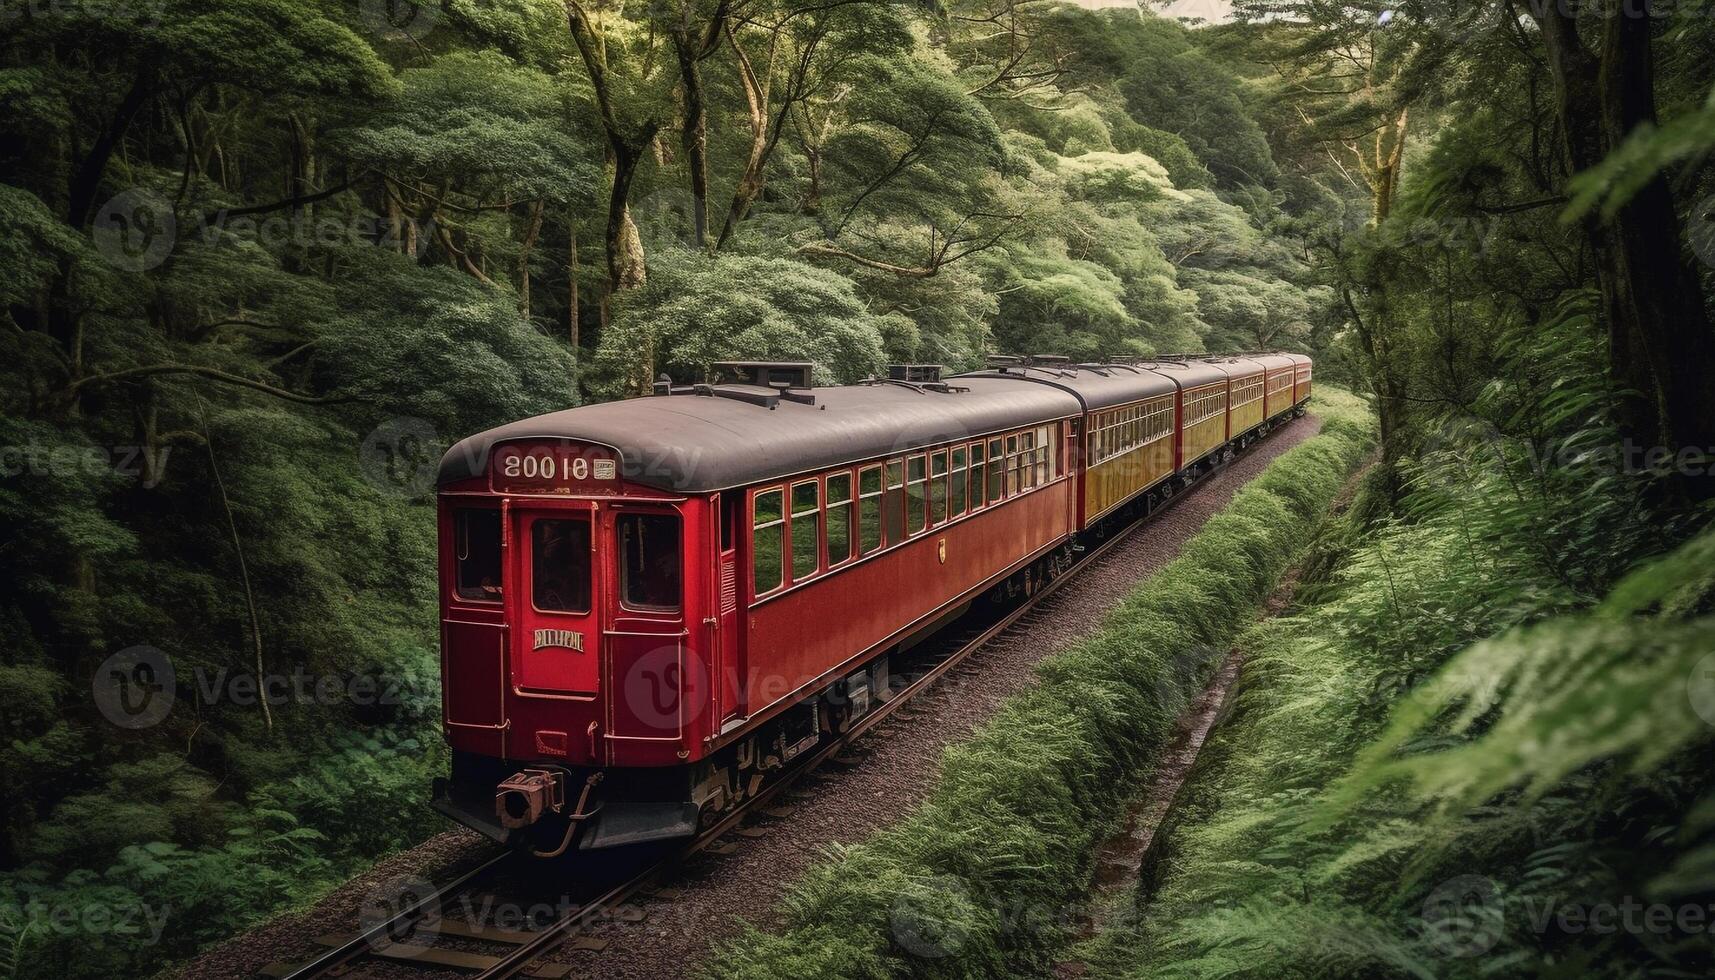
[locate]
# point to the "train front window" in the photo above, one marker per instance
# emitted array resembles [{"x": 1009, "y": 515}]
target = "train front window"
[
  {"x": 560, "y": 565},
  {"x": 649, "y": 561},
  {"x": 476, "y": 553}
]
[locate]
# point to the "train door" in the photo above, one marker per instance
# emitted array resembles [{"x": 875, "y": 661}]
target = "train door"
[
  {"x": 728, "y": 623},
  {"x": 554, "y": 642},
  {"x": 654, "y": 686}
]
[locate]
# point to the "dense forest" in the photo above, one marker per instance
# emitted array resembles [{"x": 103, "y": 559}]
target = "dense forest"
[{"x": 263, "y": 260}]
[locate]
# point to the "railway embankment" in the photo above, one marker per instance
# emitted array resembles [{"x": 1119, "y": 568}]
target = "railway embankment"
[
  {"x": 1435, "y": 763},
  {"x": 988, "y": 874}
]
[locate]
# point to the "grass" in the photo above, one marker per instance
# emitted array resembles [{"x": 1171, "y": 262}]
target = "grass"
[
  {"x": 979, "y": 880},
  {"x": 1452, "y": 754}
]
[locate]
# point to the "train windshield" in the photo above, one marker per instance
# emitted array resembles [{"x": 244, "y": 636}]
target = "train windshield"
[
  {"x": 476, "y": 542},
  {"x": 649, "y": 561}
]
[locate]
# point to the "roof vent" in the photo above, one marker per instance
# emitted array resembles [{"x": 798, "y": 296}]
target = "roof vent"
[
  {"x": 765, "y": 374},
  {"x": 914, "y": 372},
  {"x": 1050, "y": 359}
]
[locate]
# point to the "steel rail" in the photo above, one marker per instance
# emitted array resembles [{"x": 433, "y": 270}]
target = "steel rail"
[
  {"x": 383, "y": 932},
  {"x": 523, "y": 956},
  {"x": 551, "y": 938}
]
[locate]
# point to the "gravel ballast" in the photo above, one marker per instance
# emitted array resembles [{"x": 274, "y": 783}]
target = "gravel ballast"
[{"x": 840, "y": 804}]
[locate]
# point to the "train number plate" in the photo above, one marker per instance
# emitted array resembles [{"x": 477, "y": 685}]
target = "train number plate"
[{"x": 564, "y": 468}]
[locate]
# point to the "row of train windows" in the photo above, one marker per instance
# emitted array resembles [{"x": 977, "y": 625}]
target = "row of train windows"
[
  {"x": 822, "y": 522},
  {"x": 1280, "y": 382},
  {"x": 561, "y": 556},
  {"x": 1204, "y": 405},
  {"x": 1247, "y": 391},
  {"x": 1120, "y": 430}
]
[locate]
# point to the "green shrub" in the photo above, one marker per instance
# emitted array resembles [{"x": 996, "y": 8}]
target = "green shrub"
[{"x": 974, "y": 881}]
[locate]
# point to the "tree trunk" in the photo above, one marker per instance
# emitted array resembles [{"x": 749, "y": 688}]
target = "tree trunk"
[
  {"x": 1660, "y": 349},
  {"x": 625, "y": 260},
  {"x": 573, "y": 322},
  {"x": 532, "y": 228},
  {"x": 1658, "y": 329},
  {"x": 695, "y": 136},
  {"x": 86, "y": 181}
]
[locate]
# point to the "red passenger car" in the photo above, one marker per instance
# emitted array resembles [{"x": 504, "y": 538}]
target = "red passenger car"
[{"x": 648, "y": 606}]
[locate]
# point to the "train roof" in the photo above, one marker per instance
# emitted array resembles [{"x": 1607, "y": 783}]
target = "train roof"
[
  {"x": 692, "y": 443},
  {"x": 1274, "y": 362},
  {"x": 1096, "y": 386},
  {"x": 1187, "y": 373},
  {"x": 1233, "y": 366}
]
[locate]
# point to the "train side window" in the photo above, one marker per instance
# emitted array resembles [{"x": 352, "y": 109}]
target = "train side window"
[
  {"x": 729, "y": 518},
  {"x": 1012, "y": 485},
  {"x": 978, "y": 476},
  {"x": 1027, "y": 459},
  {"x": 916, "y": 493},
  {"x": 839, "y": 518},
  {"x": 767, "y": 541},
  {"x": 997, "y": 470},
  {"x": 956, "y": 483},
  {"x": 869, "y": 509},
  {"x": 938, "y": 488},
  {"x": 893, "y": 502},
  {"x": 476, "y": 552},
  {"x": 649, "y": 561},
  {"x": 560, "y": 565},
  {"x": 1042, "y": 444},
  {"x": 806, "y": 529}
]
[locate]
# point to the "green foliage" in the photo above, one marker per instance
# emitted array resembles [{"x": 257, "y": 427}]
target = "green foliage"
[
  {"x": 700, "y": 309},
  {"x": 1490, "y": 694},
  {"x": 376, "y": 240},
  {"x": 973, "y": 882}
]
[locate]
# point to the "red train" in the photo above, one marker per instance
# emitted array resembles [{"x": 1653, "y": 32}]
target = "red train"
[{"x": 649, "y": 605}]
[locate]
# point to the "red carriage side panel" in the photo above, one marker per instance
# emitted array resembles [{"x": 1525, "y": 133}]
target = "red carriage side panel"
[{"x": 809, "y": 633}]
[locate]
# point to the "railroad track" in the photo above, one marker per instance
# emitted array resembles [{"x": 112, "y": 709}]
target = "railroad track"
[{"x": 524, "y": 953}]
